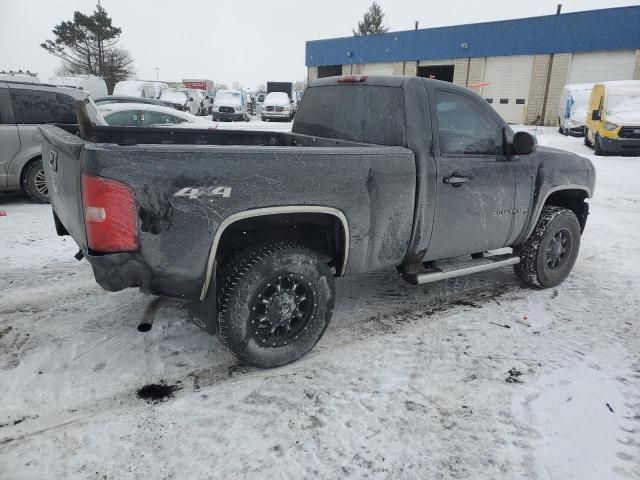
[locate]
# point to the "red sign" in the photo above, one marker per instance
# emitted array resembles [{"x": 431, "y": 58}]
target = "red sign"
[{"x": 196, "y": 85}]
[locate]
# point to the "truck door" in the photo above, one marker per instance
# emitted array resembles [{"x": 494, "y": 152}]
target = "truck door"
[
  {"x": 9, "y": 137},
  {"x": 475, "y": 186}
]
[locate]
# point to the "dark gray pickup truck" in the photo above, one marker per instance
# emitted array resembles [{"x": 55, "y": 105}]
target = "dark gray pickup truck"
[{"x": 249, "y": 228}]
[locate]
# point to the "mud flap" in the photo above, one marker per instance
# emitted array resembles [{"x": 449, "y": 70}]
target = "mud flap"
[{"x": 204, "y": 314}]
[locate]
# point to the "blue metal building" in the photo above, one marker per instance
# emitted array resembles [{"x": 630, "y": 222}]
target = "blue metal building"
[{"x": 522, "y": 63}]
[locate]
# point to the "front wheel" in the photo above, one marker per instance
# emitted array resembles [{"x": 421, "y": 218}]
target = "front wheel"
[
  {"x": 597, "y": 147},
  {"x": 275, "y": 302},
  {"x": 548, "y": 255},
  {"x": 34, "y": 183}
]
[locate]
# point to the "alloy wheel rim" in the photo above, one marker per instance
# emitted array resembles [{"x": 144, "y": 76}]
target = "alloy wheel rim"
[
  {"x": 40, "y": 183},
  {"x": 282, "y": 310},
  {"x": 558, "y": 249}
]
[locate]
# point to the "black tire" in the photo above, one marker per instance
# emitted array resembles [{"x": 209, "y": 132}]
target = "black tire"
[
  {"x": 542, "y": 264},
  {"x": 598, "y": 150},
  {"x": 264, "y": 318},
  {"x": 33, "y": 182},
  {"x": 586, "y": 137}
]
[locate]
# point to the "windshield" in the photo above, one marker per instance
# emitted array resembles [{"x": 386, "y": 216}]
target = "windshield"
[
  {"x": 277, "y": 98},
  {"x": 617, "y": 104},
  {"x": 228, "y": 98},
  {"x": 174, "y": 96}
]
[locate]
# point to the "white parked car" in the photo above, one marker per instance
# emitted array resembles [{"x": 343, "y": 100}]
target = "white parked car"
[
  {"x": 96, "y": 87},
  {"x": 277, "y": 106},
  {"x": 230, "y": 105},
  {"x": 181, "y": 99},
  {"x": 572, "y": 110},
  {"x": 145, "y": 115},
  {"x": 135, "y": 88}
]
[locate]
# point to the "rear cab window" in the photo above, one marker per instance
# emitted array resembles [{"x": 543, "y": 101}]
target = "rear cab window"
[
  {"x": 32, "y": 106},
  {"x": 359, "y": 113}
]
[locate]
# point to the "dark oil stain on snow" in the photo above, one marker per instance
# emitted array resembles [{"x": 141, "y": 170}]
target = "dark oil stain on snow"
[{"x": 157, "y": 392}]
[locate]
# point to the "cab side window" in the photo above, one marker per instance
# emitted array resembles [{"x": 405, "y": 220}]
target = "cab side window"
[
  {"x": 465, "y": 127},
  {"x": 39, "y": 106}
]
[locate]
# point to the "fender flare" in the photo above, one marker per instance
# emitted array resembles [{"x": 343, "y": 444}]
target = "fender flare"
[
  {"x": 260, "y": 212},
  {"x": 541, "y": 204}
]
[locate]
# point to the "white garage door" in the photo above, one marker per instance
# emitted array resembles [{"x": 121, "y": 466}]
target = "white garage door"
[
  {"x": 602, "y": 66},
  {"x": 509, "y": 80},
  {"x": 378, "y": 68}
]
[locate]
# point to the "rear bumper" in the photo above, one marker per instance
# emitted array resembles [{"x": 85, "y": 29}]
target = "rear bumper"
[
  {"x": 117, "y": 271},
  {"x": 622, "y": 146}
]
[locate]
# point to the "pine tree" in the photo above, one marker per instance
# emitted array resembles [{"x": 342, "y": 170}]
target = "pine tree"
[
  {"x": 372, "y": 22},
  {"x": 87, "y": 46}
]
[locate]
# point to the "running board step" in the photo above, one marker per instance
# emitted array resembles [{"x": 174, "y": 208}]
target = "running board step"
[{"x": 435, "y": 274}]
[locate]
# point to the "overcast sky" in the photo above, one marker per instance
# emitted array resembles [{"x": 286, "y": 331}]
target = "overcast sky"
[{"x": 248, "y": 41}]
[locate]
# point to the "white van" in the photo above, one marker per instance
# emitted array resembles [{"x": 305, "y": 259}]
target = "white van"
[
  {"x": 158, "y": 87},
  {"x": 572, "y": 110},
  {"x": 94, "y": 86},
  {"x": 135, "y": 88},
  {"x": 230, "y": 105}
]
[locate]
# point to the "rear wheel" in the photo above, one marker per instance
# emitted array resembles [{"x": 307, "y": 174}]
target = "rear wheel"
[
  {"x": 34, "y": 183},
  {"x": 275, "y": 302},
  {"x": 548, "y": 255}
]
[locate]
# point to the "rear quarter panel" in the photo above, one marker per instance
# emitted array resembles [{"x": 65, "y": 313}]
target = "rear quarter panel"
[{"x": 373, "y": 186}]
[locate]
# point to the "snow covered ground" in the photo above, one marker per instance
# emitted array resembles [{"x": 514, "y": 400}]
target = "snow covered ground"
[{"x": 474, "y": 377}]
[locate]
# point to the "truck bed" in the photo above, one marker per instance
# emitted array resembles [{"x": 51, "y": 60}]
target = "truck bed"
[{"x": 187, "y": 182}]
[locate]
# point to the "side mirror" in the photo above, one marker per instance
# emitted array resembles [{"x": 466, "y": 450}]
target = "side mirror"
[
  {"x": 191, "y": 99},
  {"x": 523, "y": 143},
  {"x": 595, "y": 115}
]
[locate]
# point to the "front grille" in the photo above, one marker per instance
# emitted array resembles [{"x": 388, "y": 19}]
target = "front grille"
[
  {"x": 629, "y": 132},
  {"x": 227, "y": 110},
  {"x": 270, "y": 109}
]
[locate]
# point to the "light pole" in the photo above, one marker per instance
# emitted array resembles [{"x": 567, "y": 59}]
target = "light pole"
[{"x": 157, "y": 73}]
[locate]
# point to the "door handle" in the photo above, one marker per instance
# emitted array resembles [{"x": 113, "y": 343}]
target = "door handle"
[{"x": 455, "y": 179}]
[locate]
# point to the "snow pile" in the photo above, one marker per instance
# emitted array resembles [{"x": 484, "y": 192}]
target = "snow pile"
[{"x": 469, "y": 378}]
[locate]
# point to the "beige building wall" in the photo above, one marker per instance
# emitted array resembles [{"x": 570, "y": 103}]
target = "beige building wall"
[
  {"x": 560, "y": 64},
  {"x": 636, "y": 71},
  {"x": 538, "y": 88},
  {"x": 411, "y": 69},
  {"x": 398, "y": 68},
  {"x": 476, "y": 70},
  {"x": 460, "y": 71},
  {"x": 312, "y": 73}
]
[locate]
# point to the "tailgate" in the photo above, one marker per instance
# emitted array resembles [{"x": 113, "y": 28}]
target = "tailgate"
[{"x": 61, "y": 158}]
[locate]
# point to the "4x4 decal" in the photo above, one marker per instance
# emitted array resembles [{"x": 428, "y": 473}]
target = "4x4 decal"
[{"x": 197, "y": 192}]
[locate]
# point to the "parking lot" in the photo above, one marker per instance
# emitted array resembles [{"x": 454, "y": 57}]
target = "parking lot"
[{"x": 476, "y": 377}]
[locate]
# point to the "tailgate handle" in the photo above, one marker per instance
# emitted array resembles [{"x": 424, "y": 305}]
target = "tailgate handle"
[{"x": 456, "y": 179}]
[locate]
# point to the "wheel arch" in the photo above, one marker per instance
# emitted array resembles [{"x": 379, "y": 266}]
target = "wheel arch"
[
  {"x": 571, "y": 197},
  {"x": 286, "y": 218},
  {"x": 27, "y": 163}
]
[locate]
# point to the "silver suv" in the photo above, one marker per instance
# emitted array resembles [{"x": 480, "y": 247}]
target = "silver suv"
[{"x": 24, "y": 106}]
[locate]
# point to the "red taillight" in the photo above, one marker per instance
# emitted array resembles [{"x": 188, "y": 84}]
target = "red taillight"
[
  {"x": 352, "y": 78},
  {"x": 109, "y": 215}
]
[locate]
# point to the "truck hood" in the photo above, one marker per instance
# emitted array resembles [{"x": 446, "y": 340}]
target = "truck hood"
[{"x": 562, "y": 159}]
